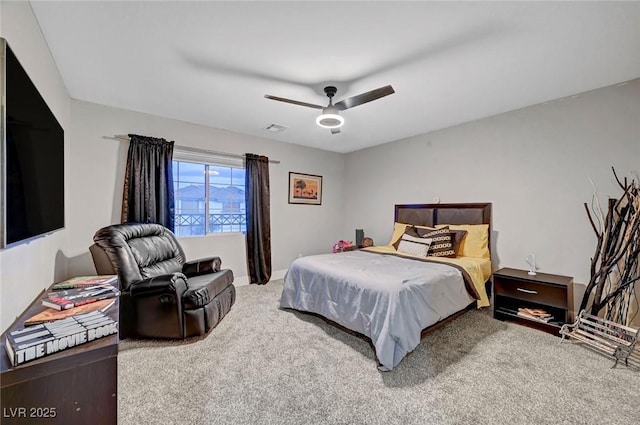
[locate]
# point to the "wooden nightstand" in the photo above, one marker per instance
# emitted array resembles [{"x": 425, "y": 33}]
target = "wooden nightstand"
[{"x": 517, "y": 289}]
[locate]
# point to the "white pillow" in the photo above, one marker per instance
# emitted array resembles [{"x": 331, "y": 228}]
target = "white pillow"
[{"x": 411, "y": 245}]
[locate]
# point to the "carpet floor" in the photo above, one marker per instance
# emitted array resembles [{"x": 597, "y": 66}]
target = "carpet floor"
[{"x": 263, "y": 365}]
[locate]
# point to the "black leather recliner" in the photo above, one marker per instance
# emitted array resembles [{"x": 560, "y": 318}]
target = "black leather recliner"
[{"x": 162, "y": 295}]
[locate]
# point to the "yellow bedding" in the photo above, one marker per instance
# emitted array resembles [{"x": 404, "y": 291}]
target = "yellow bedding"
[{"x": 478, "y": 268}]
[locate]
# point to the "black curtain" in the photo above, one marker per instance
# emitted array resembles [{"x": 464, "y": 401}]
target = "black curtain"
[
  {"x": 258, "y": 218},
  {"x": 148, "y": 182}
]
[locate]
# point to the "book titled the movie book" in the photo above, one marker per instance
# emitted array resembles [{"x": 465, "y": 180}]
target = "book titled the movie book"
[{"x": 34, "y": 342}]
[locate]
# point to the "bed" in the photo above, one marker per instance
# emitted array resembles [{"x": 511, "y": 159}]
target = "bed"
[{"x": 392, "y": 295}]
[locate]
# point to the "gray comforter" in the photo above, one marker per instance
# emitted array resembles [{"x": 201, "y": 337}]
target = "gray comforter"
[{"x": 389, "y": 299}]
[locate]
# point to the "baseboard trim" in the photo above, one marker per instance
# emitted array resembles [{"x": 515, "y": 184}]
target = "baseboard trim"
[{"x": 244, "y": 280}]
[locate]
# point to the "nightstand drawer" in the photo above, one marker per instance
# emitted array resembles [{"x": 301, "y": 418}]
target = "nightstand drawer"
[{"x": 555, "y": 296}]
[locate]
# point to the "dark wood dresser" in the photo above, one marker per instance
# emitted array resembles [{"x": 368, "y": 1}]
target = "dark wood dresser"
[
  {"x": 516, "y": 289},
  {"x": 74, "y": 386}
]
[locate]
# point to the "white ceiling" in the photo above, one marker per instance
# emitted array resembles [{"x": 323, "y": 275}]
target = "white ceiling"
[{"x": 449, "y": 62}]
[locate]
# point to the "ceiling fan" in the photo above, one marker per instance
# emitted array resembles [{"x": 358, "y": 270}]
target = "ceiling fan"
[{"x": 330, "y": 117}]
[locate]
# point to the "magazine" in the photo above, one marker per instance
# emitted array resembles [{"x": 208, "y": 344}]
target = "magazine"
[
  {"x": 51, "y": 315},
  {"x": 535, "y": 314},
  {"x": 84, "y": 281},
  {"x": 69, "y": 298}
]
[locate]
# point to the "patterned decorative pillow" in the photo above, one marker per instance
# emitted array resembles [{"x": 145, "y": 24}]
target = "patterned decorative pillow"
[
  {"x": 442, "y": 245},
  {"x": 413, "y": 231},
  {"x": 415, "y": 246}
]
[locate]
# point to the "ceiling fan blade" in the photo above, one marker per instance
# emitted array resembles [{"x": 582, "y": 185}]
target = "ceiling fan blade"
[
  {"x": 335, "y": 130},
  {"x": 364, "y": 98},
  {"x": 295, "y": 102}
]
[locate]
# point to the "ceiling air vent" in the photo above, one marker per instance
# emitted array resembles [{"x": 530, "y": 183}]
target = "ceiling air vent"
[{"x": 275, "y": 128}]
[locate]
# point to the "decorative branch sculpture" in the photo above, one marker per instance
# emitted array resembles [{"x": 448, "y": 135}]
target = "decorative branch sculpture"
[{"x": 615, "y": 268}]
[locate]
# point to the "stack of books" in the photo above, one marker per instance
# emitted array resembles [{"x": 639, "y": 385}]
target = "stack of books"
[
  {"x": 79, "y": 291},
  {"x": 535, "y": 314},
  {"x": 75, "y": 314}
]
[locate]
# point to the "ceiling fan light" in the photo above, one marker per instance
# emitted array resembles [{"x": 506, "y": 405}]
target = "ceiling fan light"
[{"x": 330, "y": 120}]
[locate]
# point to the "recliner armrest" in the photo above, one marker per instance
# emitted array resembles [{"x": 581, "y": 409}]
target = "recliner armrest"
[
  {"x": 158, "y": 306},
  {"x": 174, "y": 283},
  {"x": 202, "y": 266}
]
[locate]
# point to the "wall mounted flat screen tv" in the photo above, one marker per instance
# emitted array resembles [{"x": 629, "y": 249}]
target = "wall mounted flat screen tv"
[{"x": 32, "y": 157}]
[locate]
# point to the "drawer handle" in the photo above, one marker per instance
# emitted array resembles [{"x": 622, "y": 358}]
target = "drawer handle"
[{"x": 527, "y": 291}]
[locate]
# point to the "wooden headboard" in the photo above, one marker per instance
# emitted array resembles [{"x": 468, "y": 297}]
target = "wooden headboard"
[{"x": 432, "y": 214}]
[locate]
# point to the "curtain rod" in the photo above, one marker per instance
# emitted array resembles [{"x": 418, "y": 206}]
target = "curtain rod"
[{"x": 126, "y": 138}]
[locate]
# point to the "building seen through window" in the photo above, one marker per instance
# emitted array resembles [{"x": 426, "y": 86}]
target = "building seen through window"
[{"x": 209, "y": 198}]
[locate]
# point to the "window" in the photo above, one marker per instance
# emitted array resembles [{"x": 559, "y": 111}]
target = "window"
[{"x": 209, "y": 195}]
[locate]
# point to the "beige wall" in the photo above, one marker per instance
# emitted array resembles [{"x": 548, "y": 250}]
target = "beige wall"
[
  {"x": 533, "y": 164},
  {"x": 97, "y": 168},
  {"x": 29, "y": 267}
]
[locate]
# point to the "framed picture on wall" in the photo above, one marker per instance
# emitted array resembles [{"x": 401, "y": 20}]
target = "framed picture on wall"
[{"x": 305, "y": 189}]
